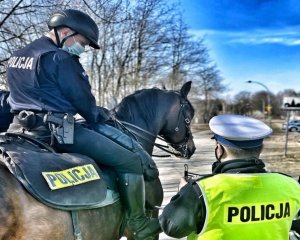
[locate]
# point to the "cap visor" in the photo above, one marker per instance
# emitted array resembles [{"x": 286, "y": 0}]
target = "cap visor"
[{"x": 239, "y": 144}]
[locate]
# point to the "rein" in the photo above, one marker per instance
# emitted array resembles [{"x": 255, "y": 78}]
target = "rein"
[{"x": 135, "y": 133}]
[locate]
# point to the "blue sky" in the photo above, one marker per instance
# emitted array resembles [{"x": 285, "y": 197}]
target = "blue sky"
[{"x": 255, "y": 40}]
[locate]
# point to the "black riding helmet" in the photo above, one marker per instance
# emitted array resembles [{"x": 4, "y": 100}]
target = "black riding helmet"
[{"x": 79, "y": 22}]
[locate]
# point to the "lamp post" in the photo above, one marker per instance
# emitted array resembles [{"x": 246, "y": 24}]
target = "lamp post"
[{"x": 268, "y": 107}]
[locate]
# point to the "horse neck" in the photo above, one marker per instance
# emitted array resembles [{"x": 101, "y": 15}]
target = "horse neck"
[
  {"x": 149, "y": 132},
  {"x": 141, "y": 119}
]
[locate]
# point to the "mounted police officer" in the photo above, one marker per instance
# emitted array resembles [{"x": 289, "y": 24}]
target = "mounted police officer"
[
  {"x": 240, "y": 199},
  {"x": 48, "y": 85}
]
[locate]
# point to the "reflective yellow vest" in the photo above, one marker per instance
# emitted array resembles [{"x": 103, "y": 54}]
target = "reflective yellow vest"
[{"x": 248, "y": 206}]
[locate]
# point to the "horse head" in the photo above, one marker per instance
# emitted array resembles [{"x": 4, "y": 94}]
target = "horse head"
[
  {"x": 177, "y": 128},
  {"x": 148, "y": 113}
]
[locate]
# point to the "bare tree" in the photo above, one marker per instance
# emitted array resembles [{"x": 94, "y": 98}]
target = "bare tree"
[
  {"x": 141, "y": 43},
  {"x": 8, "y": 14},
  {"x": 21, "y": 23},
  {"x": 186, "y": 55},
  {"x": 132, "y": 43},
  {"x": 243, "y": 103},
  {"x": 209, "y": 84}
]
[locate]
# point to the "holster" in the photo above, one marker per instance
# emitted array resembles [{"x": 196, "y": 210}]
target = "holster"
[{"x": 61, "y": 125}]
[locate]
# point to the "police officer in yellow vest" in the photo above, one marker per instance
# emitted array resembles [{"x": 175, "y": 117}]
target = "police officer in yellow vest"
[{"x": 240, "y": 199}]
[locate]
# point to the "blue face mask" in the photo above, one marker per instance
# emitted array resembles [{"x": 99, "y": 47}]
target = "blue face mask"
[{"x": 75, "y": 49}]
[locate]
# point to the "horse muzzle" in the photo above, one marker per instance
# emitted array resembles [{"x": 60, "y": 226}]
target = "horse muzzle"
[
  {"x": 190, "y": 150},
  {"x": 185, "y": 150}
]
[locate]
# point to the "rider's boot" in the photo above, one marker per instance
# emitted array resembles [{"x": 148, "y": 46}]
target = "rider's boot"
[{"x": 132, "y": 191}]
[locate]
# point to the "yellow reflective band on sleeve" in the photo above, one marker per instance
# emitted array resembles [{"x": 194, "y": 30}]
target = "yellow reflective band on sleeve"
[
  {"x": 254, "y": 213},
  {"x": 70, "y": 177}
]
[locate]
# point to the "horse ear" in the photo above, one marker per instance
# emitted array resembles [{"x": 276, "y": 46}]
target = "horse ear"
[
  {"x": 163, "y": 86},
  {"x": 186, "y": 89}
]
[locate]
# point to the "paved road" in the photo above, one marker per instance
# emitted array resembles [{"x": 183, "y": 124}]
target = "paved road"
[{"x": 171, "y": 169}]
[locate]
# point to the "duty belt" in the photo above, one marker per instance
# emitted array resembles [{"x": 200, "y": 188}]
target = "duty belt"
[{"x": 61, "y": 125}]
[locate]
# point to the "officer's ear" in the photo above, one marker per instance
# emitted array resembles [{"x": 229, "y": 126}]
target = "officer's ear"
[
  {"x": 225, "y": 152},
  {"x": 220, "y": 152}
]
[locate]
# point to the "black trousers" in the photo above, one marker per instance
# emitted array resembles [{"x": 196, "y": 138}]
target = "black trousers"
[
  {"x": 110, "y": 147},
  {"x": 103, "y": 143}
]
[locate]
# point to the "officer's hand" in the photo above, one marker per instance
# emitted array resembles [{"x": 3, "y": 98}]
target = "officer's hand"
[
  {"x": 103, "y": 114},
  {"x": 150, "y": 170},
  {"x": 182, "y": 183}
]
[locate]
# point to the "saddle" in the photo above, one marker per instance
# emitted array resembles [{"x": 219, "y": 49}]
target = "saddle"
[{"x": 66, "y": 181}]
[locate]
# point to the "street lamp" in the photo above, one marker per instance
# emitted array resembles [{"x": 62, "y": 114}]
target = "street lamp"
[{"x": 268, "y": 107}]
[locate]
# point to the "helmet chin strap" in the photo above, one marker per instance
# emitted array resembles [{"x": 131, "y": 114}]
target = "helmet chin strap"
[
  {"x": 57, "y": 38},
  {"x": 61, "y": 43}
]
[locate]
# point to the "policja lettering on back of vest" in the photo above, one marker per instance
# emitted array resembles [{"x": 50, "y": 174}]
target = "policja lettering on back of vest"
[
  {"x": 20, "y": 62},
  {"x": 257, "y": 212}
]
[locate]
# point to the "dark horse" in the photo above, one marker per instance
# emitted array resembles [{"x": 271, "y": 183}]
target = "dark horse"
[{"x": 154, "y": 112}]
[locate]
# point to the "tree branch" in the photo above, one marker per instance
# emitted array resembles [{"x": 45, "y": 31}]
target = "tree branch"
[{"x": 10, "y": 13}]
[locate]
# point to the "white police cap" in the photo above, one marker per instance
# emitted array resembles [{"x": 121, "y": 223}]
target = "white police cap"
[{"x": 239, "y": 131}]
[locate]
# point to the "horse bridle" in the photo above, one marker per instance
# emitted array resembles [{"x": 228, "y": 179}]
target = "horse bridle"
[{"x": 183, "y": 145}]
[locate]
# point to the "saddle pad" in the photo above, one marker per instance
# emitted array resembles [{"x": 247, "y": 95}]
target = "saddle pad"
[{"x": 63, "y": 181}]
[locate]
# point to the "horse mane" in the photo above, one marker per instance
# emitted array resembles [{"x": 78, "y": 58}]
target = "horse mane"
[{"x": 142, "y": 104}]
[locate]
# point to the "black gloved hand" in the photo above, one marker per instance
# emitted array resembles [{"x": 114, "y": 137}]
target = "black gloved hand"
[
  {"x": 296, "y": 226},
  {"x": 103, "y": 114},
  {"x": 150, "y": 170}
]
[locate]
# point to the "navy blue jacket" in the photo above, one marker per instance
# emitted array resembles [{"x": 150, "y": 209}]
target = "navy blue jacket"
[{"x": 42, "y": 77}]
